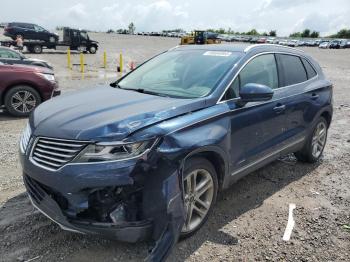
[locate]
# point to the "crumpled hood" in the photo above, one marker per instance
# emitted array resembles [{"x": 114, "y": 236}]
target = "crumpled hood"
[{"x": 105, "y": 113}]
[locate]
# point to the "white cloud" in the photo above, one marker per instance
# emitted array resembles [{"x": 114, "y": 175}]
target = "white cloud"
[
  {"x": 324, "y": 23},
  {"x": 78, "y": 12}
]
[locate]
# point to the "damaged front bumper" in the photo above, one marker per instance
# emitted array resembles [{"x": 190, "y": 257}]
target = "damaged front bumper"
[
  {"x": 125, "y": 201},
  {"x": 127, "y": 232}
]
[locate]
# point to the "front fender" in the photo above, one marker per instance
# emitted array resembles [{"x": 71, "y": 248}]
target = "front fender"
[{"x": 163, "y": 201}]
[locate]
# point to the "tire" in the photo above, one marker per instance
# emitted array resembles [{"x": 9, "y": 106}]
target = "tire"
[
  {"x": 206, "y": 175},
  {"x": 317, "y": 139},
  {"x": 37, "y": 49},
  {"x": 12, "y": 99},
  {"x": 92, "y": 49}
]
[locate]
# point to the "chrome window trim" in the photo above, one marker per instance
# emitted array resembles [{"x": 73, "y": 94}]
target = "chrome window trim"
[{"x": 265, "y": 53}]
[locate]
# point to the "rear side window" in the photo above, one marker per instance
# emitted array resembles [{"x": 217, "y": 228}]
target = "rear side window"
[
  {"x": 291, "y": 70},
  {"x": 309, "y": 69}
]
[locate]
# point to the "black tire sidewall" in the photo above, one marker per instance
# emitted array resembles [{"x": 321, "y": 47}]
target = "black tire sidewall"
[
  {"x": 201, "y": 163},
  {"x": 12, "y": 91}
]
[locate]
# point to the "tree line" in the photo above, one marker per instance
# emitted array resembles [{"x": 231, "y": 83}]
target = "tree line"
[{"x": 306, "y": 33}]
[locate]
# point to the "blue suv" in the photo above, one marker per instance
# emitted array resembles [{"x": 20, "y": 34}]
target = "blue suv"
[{"x": 144, "y": 158}]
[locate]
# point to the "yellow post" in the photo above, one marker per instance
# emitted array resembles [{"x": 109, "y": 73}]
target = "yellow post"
[
  {"x": 121, "y": 62},
  {"x": 69, "y": 59},
  {"x": 82, "y": 66},
  {"x": 104, "y": 59}
]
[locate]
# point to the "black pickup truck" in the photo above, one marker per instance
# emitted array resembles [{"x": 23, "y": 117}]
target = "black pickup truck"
[{"x": 74, "y": 39}]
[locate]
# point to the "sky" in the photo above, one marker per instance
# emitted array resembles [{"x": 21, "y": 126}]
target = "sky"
[{"x": 285, "y": 16}]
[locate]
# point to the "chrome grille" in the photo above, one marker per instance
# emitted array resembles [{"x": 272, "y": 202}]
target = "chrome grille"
[
  {"x": 53, "y": 153},
  {"x": 25, "y": 137}
]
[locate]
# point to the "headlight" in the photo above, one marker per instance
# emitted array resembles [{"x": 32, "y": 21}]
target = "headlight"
[
  {"x": 48, "y": 77},
  {"x": 25, "y": 137},
  {"x": 109, "y": 152}
]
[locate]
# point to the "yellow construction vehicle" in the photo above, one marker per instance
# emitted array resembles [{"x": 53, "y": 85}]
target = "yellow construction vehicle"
[{"x": 200, "y": 37}]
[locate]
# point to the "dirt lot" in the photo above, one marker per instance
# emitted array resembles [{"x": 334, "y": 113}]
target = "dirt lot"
[{"x": 248, "y": 221}]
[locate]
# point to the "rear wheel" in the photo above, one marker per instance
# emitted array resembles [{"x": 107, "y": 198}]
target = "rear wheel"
[
  {"x": 37, "y": 49},
  {"x": 21, "y": 100},
  {"x": 200, "y": 190},
  {"x": 314, "y": 146}
]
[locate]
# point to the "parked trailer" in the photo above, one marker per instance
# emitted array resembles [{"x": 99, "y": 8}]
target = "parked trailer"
[{"x": 72, "y": 38}]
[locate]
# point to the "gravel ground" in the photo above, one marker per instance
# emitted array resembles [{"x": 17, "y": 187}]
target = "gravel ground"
[{"x": 249, "y": 219}]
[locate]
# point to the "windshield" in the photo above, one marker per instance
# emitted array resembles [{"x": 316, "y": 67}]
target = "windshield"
[{"x": 182, "y": 73}]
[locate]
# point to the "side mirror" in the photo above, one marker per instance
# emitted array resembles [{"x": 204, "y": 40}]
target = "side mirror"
[{"x": 252, "y": 92}]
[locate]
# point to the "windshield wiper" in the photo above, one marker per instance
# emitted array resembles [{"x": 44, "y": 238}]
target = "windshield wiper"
[
  {"x": 144, "y": 91},
  {"x": 140, "y": 90}
]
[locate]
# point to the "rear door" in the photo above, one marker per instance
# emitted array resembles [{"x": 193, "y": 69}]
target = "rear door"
[
  {"x": 28, "y": 31},
  {"x": 298, "y": 83},
  {"x": 257, "y": 128}
]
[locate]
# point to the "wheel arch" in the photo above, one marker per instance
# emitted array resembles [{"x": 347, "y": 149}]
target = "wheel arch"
[
  {"x": 328, "y": 116},
  {"x": 216, "y": 157}
]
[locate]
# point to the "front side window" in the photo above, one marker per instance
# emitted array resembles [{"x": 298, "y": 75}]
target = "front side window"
[
  {"x": 261, "y": 70},
  {"x": 182, "y": 73},
  {"x": 84, "y": 35},
  {"x": 39, "y": 28},
  {"x": 292, "y": 70}
]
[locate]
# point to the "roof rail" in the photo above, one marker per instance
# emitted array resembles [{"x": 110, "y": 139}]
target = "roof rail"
[{"x": 257, "y": 45}]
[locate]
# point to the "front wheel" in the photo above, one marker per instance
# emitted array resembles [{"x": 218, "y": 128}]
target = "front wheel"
[
  {"x": 92, "y": 49},
  {"x": 21, "y": 100},
  {"x": 200, "y": 191},
  {"x": 315, "y": 144}
]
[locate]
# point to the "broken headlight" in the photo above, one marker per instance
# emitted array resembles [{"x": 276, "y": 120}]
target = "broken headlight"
[{"x": 111, "y": 152}]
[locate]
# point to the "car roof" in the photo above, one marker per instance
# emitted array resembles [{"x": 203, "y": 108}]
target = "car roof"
[
  {"x": 21, "y": 23},
  {"x": 241, "y": 48}
]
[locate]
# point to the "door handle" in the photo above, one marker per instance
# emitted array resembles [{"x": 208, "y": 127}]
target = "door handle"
[
  {"x": 314, "y": 96},
  {"x": 279, "y": 108}
]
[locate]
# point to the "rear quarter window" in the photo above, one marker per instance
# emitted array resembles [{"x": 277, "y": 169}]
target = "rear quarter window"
[
  {"x": 291, "y": 70},
  {"x": 309, "y": 69}
]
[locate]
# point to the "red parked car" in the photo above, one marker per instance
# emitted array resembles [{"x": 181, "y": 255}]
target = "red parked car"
[
  {"x": 22, "y": 88},
  {"x": 262, "y": 40}
]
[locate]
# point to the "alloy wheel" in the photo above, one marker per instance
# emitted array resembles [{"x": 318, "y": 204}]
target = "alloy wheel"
[
  {"x": 319, "y": 139},
  {"x": 23, "y": 101},
  {"x": 199, "y": 193}
]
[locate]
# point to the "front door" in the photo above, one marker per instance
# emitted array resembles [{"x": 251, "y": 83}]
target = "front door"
[{"x": 257, "y": 128}]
